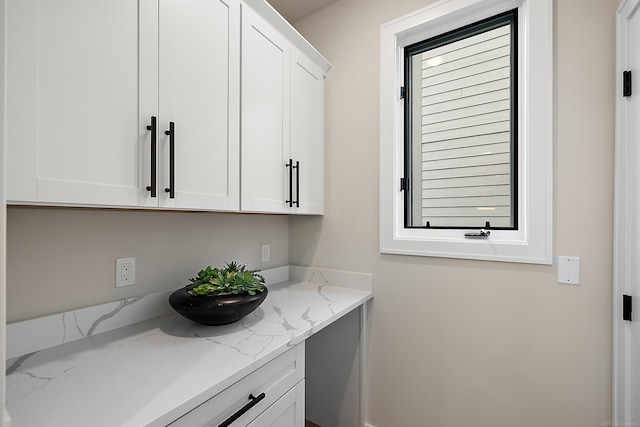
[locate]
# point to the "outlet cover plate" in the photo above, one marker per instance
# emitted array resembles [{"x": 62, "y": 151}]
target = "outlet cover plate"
[
  {"x": 266, "y": 252},
  {"x": 125, "y": 272},
  {"x": 569, "y": 270}
]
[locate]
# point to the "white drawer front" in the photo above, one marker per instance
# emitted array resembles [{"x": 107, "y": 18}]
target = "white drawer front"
[
  {"x": 286, "y": 412},
  {"x": 273, "y": 379}
]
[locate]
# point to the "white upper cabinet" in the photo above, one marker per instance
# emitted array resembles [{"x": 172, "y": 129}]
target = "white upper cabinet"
[
  {"x": 124, "y": 103},
  {"x": 85, "y": 78},
  {"x": 282, "y": 141},
  {"x": 82, "y": 81},
  {"x": 199, "y": 86},
  {"x": 265, "y": 139},
  {"x": 307, "y": 133}
]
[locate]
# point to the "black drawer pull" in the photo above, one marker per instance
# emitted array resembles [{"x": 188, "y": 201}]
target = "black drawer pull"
[
  {"x": 172, "y": 161},
  {"x": 290, "y": 166},
  {"x": 154, "y": 150},
  {"x": 297, "y": 168},
  {"x": 254, "y": 401}
]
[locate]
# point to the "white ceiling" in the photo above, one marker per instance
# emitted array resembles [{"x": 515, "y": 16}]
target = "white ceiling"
[{"x": 293, "y": 10}]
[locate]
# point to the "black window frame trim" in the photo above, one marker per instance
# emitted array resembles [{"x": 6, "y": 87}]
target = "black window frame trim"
[{"x": 470, "y": 30}]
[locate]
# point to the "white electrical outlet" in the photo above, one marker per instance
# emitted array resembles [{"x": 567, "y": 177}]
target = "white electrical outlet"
[
  {"x": 125, "y": 272},
  {"x": 266, "y": 252}
]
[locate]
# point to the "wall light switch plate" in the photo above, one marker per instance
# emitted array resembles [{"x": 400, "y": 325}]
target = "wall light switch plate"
[
  {"x": 569, "y": 270},
  {"x": 266, "y": 252},
  {"x": 125, "y": 272}
]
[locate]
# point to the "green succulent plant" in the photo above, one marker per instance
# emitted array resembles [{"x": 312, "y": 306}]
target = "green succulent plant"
[{"x": 232, "y": 279}]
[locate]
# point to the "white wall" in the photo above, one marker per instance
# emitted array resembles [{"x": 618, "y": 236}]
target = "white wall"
[
  {"x": 452, "y": 342},
  {"x": 457, "y": 342},
  {"x": 3, "y": 214},
  {"x": 62, "y": 259}
]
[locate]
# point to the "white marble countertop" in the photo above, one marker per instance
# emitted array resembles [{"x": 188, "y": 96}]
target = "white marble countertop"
[{"x": 150, "y": 373}]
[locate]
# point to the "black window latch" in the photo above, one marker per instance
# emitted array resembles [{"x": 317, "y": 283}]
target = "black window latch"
[
  {"x": 626, "y": 84},
  {"x": 404, "y": 184},
  {"x": 627, "y": 307}
]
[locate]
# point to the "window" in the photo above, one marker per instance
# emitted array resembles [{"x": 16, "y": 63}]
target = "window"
[
  {"x": 465, "y": 131},
  {"x": 461, "y": 127}
]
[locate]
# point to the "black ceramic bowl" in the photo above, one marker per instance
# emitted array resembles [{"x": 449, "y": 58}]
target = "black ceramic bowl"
[{"x": 215, "y": 310}]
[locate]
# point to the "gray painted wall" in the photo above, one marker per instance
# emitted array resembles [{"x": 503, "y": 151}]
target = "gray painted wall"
[
  {"x": 453, "y": 342},
  {"x": 461, "y": 342},
  {"x": 62, "y": 259}
]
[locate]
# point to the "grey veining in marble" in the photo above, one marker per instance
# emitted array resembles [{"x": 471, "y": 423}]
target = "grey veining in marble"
[
  {"x": 347, "y": 279},
  {"x": 151, "y": 372},
  {"x": 37, "y": 334}
]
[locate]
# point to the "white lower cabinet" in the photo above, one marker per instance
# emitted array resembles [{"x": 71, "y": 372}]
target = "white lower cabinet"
[
  {"x": 272, "y": 395},
  {"x": 286, "y": 412}
]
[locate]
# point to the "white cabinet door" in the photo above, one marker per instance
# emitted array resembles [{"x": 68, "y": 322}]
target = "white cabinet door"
[
  {"x": 288, "y": 411},
  {"x": 307, "y": 138},
  {"x": 199, "y": 86},
  {"x": 282, "y": 123},
  {"x": 82, "y": 86},
  {"x": 265, "y": 113},
  {"x": 87, "y": 76}
]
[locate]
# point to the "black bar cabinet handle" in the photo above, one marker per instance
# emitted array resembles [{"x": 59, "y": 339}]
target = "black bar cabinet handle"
[
  {"x": 297, "y": 167},
  {"x": 152, "y": 128},
  {"x": 290, "y": 166},
  {"x": 254, "y": 401},
  {"x": 172, "y": 137}
]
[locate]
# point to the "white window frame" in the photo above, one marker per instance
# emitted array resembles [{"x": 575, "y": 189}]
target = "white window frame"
[{"x": 533, "y": 241}]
